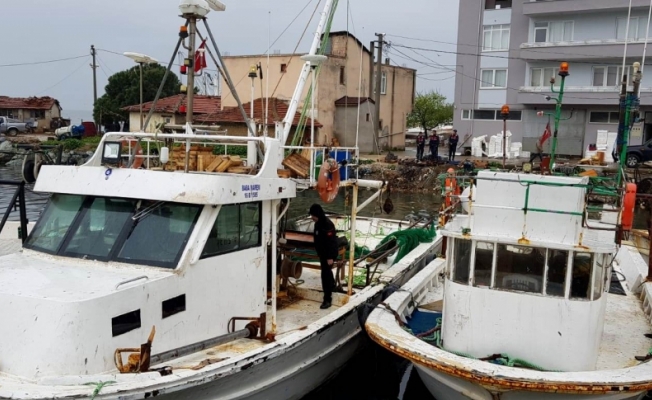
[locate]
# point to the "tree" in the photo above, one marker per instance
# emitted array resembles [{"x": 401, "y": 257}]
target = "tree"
[
  {"x": 430, "y": 110},
  {"x": 123, "y": 90}
]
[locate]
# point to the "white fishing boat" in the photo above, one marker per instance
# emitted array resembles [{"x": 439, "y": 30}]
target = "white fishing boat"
[{"x": 145, "y": 282}]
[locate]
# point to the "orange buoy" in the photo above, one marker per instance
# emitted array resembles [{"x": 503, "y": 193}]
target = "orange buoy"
[
  {"x": 138, "y": 153},
  {"x": 328, "y": 181},
  {"x": 629, "y": 202}
]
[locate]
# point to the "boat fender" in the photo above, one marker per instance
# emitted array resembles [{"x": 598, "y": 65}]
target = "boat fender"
[
  {"x": 629, "y": 202},
  {"x": 364, "y": 311},
  {"x": 28, "y": 169}
]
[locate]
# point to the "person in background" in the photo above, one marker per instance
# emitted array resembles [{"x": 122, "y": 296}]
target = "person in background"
[
  {"x": 421, "y": 144},
  {"x": 539, "y": 153},
  {"x": 434, "y": 146},
  {"x": 452, "y": 145},
  {"x": 325, "y": 239}
]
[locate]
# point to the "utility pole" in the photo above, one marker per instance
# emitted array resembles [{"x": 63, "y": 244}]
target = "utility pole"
[
  {"x": 94, "y": 66},
  {"x": 372, "y": 49},
  {"x": 379, "y": 63}
]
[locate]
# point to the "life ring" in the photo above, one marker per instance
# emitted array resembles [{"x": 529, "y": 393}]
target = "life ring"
[
  {"x": 328, "y": 182},
  {"x": 629, "y": 202},
  {"x": 451, "y": 189},
  {"x": 138, "y": 153}
]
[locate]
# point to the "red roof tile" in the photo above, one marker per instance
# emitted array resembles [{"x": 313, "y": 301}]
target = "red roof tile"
[
  {"x": 29, "y": 103},
  {"x": 352, "y": 101},
  {"x": 201, "y": 104},
  {"x": 277, "y": 111}
]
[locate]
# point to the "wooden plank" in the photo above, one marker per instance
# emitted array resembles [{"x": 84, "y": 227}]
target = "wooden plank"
[
  {"x": 239, "y": 170},
  {"x": 284, "y": 173},
  {"x": 224, "y": 165},
  {"x": 200, "y": 163},
  {"x": 214, "y": 164}
]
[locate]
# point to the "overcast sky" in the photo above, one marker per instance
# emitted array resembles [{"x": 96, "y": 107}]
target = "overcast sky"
[{"x": 44, "y": 30}]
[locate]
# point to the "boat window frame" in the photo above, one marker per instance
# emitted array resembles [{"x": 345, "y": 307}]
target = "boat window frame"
[
  {"x": 121, "y": 239},
  {"x": 259, "y": 241},
  {"x": 595, "y": 256}
]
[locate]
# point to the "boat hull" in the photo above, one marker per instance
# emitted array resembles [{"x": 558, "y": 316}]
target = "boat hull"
[{"x": 443, "y": 386}]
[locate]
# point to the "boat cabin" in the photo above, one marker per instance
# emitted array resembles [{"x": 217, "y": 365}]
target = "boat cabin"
[
  {"x": 526, "y": 272},
  {"x": 119, "y": 250}
]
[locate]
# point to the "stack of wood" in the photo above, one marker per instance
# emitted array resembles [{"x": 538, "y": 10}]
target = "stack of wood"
[
  {"x": 202, "y": 159},
  {"x": 297, "y": 164},
  {"x": 597, "y": 159}
]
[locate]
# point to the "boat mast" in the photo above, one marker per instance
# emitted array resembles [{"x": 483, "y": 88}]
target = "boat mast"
[{"x": 303, "y": 77}]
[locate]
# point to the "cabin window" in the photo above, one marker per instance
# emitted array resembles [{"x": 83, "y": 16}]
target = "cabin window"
[
  {"x": 97, "y": 231},
  {"x": 53, "y": 225},
  {"x": 520, "y": 268},
  {"x": 484, "y": 258},
  {"x": 462, "y": 257},
  {"x": 173, "y": 306},
  {"x": 237, "y": 228},
  {"x": 557, "y": 267},
  {"x": 581, "y": 276},
  {"x": 159, "y": 233},
  {"x": 125, "y": 323},
  {"x": 598, "y": 273}
]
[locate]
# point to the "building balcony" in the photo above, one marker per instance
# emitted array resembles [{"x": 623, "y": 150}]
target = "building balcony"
[
  {"x": 535, "y": 8},
  {"x": 578, "y": 95},
  {"x": 581, "y": 50}
]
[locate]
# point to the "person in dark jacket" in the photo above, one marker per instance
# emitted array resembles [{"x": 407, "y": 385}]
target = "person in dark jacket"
[
  {"x": 434, "y": 146},
  {"x": 326, "y": 247},
  {"x": 421, "y": 145},
  {"x": 452, "y": 145}
]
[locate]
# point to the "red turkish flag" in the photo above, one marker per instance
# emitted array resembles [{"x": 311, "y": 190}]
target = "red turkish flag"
[
  {"x": 200, "y": 57},
  {"x": 546, "y": 134}
]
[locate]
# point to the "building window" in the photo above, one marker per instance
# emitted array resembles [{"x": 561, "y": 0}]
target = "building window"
[
  {"x": 496, "y": 37},
  {"x": 608, "y": 76},
  {"x": 621, "y": 28},
  {"x": 540, "y": 77},
  {"x": 383, "y": 83},
  {"x": 342, "y": 76},
  {"x": 497, "y": 4},
  {"x": 237, "y": 228},
  {"x": 604, "y": 117},
  {"x": 39, "y": 114},
  {"x": 494, "y": 78},
  {"x": 284, "y": 68},
  {"x": 490, "y": 115},
  {"x": 553, "y": 32},
  {"x": 466, "y": 114},
  {"x": 368, "y": 116}
]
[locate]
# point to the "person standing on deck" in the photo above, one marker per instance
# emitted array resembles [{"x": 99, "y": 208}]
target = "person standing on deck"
[
  {"x": 539, "y": 153},
  {"x": 421, "y": 144},
  {"x": 434, "y": 146},
  {"x": 326, "y": 247},
  {"x": 452, "y": 145}
]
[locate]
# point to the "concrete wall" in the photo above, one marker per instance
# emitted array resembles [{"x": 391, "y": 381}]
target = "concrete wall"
[
  {"x": 346, "y": 124},
  {"x": 157, "y": 118},
  {"x": 345, "y": 57}
]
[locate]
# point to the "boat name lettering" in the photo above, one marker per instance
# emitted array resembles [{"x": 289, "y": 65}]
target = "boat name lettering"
[{"x": 251, "y": 191}]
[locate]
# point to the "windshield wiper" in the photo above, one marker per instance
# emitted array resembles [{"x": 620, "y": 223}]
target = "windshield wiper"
[{"x": 147, "y": 210}]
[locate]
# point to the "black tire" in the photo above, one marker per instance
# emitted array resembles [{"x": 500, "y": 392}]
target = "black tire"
[
  {"x": 12, "y": 132},
  {"x": 632, "y": 160},
  {"x": 28, "y": 171}
]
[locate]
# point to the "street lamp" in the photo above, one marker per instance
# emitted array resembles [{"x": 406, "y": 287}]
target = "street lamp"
[
  {"x": 141, "y": 59},
  {"x": 563, "y": 72},
  {"x": 504, "y": 112},
  {"x": 315, "y": 60}
]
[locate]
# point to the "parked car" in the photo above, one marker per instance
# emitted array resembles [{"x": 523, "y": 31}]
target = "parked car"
[
  {"x": 636, "y": 154},
  {"x": 11, "y": 126}
]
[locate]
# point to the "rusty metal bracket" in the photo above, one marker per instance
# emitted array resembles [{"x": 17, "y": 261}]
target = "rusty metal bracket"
[
  {"x": 257, "y": 326},
  {"x": 138, "y": 359}
]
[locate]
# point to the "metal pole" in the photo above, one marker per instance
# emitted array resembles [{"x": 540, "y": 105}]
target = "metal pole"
[
  {"x": 553, "y": 150},
  {"x": 379, "y": 63},
  {"x": 191, "y": 73},
  {"x": 22, "y": 211},
  {"x": 629, "y": 14},
  {"x": 504, "y": 139},
  {"x": 93, "y": 53},
  {"x": 312, "y": 129},
  {"x": 274, "y": 259},
  {"x": 141, "y": 96},
  {"x": 647, "y": 35},
  {"x": 622, "y": 122},
  {"x": 354, "y": 213}
]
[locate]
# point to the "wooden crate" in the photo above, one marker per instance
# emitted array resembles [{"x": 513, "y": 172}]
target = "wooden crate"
[{"x": 297, "y": 164}]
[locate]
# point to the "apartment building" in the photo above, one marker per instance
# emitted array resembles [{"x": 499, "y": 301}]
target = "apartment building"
[{"x": 517, "y": 46}]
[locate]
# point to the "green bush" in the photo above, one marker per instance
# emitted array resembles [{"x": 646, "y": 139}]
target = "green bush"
[
  {"x": 72, "y": 144},
  {"x": 232, "y": 150}
]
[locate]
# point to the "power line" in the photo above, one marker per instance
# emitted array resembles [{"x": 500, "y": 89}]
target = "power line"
[
  {"x": 43, "y": 62},
  {"x": 67, "y": 76}
]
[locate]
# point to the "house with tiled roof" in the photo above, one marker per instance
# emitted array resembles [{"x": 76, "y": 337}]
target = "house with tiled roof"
[
  {"x": 40, "y": 110},
  {"x": 231, "y": 119},
  {"x": 172, "y": 110}
]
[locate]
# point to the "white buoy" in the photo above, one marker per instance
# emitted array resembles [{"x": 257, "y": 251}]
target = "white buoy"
[
  {"x": 464, "y": 198},
  {"x": 165, "y": 155}
]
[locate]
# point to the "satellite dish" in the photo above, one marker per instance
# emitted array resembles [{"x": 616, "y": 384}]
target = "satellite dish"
[{"x": 216, "y": 5}]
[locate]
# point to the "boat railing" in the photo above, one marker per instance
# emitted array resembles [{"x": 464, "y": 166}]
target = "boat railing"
[
  {"x": 348, "y": 152},
  {"x": 17, "y": 200}
]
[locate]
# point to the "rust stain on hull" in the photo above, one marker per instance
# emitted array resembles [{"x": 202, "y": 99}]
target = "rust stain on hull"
[{"x": 496, "y": 383}]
